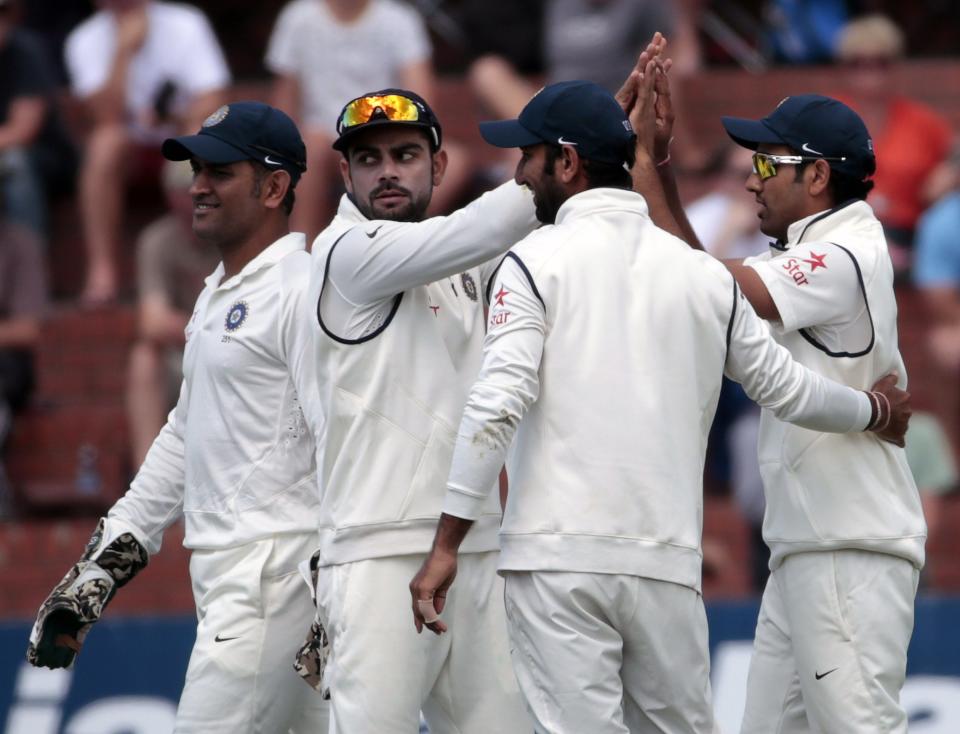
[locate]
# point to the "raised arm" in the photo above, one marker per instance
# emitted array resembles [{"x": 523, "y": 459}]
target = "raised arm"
[
  {"x": 645, "y": 95},
  {"x": 380, "y": 258}
]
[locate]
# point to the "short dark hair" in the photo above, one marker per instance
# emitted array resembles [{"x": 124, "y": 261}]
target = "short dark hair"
[
  {"x": 599, "y": 173},
  {"x": 260, "y": 171},
  {"x": 842, "y": 187}
]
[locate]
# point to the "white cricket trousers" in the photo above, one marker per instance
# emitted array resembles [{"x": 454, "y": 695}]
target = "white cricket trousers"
[
  {"x": 610, "y": 653},
  {"x": 253, "y": 612},
  {"x": 381, "y": 673},
  {"x": 830, "y": 653}
]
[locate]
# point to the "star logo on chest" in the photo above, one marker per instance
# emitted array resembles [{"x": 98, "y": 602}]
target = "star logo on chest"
[
  {"x": 499, "y": 296},
  {"x": 435, "y": 309},
  {"x": 816, "y": 261}
]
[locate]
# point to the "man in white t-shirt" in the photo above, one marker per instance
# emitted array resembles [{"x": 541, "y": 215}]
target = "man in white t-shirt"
[
  {"x": 843, "y": 516},
  {"x": 235, "y": 459},
  {"x": 142, "y": 70},
  {"x": 322, "y": 52}
]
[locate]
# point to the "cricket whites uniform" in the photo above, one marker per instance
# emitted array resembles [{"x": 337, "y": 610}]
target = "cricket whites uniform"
[
  {"x": 397, "y": 313},
  {"x": 607, "y": 341},
  {"x": 236, "y": 460},
  {"x": 843, "y": 518}
]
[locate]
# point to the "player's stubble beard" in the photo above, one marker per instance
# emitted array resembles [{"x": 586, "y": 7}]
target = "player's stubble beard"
[
  {"x": 415, "y": 210},
  {"x": 548, "y": 194}
]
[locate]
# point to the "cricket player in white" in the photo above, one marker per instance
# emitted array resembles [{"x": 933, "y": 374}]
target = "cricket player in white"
[
  {"x": 396, "y": 307},
  {"x": 843, "y": 519},
  {"x": 607, "y": 342},
  {"x": 235, "y": 459}
]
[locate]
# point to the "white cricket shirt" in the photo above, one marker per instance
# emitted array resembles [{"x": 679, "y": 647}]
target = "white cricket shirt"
[
  {"x": 833, "y": 285},
  {"x": 397, "y": 314},
  {"x": 235, "y": 457},
  {"x": 607, "y": 341}
]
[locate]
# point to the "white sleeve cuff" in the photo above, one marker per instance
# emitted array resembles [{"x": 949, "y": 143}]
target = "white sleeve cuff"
[{"x": 463, "y": 503}]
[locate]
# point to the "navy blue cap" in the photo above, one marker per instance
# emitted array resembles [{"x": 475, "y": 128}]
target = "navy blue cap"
[
  {"x": 578, "y": 113},
  {"x": 815, "y": 125},
  {"x": 242, "y": 131},
  {"x": 427, "y": 120}
]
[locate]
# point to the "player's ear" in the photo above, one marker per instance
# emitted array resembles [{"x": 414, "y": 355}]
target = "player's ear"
[
  {"x": 275, "y": 188},
  {"x": 345, "y": 174},
  {"x": 569, "y": 164},
  {"x": 438, "y": 162},
  {"x": 818, "y": 177}
]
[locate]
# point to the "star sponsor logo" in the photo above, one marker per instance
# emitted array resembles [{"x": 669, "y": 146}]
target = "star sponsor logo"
[
  {"x": 499, "y": 296},
  {"x": 236, "y": 316},
  {"x": 816, "y": 261},
  {"x": 499, "y": 318},
  {"x": 435, "y": 309},
  {"x": 794, "y": 267}
]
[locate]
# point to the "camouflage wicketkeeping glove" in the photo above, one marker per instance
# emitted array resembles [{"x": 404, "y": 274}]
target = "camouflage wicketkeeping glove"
[
  {"x": 73, "y": 606},
  {"x": 311, "y": 659}
]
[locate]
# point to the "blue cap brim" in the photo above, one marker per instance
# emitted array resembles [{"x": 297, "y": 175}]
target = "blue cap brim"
[
  {"x": 750, "y": 133},
  {"x": 204, "y": 147},
  {"x": 508, "y": 134}
]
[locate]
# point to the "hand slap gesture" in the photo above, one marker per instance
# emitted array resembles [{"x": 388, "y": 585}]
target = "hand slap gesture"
[{"x": 645, "y": 97}]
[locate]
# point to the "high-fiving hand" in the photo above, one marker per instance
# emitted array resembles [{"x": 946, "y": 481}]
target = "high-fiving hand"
[{"x": 645, "y": 97}]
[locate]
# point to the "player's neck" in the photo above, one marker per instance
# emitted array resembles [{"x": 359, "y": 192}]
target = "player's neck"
[
  {"x": 236, "y": 255},
  {"x": 347, "y": 11}
]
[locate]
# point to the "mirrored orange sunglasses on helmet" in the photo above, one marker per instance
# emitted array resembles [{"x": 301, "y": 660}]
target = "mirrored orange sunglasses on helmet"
[{"x": 394, "y": 107}]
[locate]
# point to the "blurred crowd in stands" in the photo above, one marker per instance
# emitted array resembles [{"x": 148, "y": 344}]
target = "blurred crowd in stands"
[{"x": 88, "y": 90}]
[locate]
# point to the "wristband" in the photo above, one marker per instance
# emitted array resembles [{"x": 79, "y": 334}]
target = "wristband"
[
  {"x": 883, "y": 401},
  {"x": 666, "y": 160},
  {"x": 874, "y": 410}
]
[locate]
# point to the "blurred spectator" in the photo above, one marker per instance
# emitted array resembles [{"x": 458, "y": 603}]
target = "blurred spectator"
[
  {"x": 142, "y": 70},
  {"x": 909, "y": 138},
  {"x": 598, "y": 40},
  {"x": 23, "y": 300},
  {"x": 932, "y": 464},
  {"x": 936, "y": 274},
  {"x": 803, "y": 31},
  {"x": 725, "y": 219},
  {"x": 34, "y": 151},
  {"x": 325, "y": 53},
  {"x": 171, "y": 267}
]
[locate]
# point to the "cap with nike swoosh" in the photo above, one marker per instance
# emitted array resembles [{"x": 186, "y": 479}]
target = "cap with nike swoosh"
[
  {"x": 814, "y": 125},
  {"x": 578, "y": 113},
  {"x": 242, "y": 131}
]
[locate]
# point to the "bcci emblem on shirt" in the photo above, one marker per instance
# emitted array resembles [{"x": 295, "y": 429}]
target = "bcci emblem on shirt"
[{"x": 236, "y": 316}]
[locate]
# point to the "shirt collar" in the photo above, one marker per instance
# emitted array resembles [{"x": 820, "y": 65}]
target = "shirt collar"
[
  {"x": 269, "y": 256},
  {"x": 594, "y": 200},
  {"x": 818, "y": 226},
  {"x": 348, "y": 210}
]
